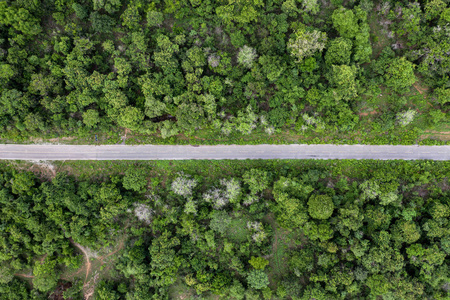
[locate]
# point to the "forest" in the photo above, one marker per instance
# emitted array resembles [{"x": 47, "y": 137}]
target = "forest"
[
  {"x": 270, "y": 229},
  {"x": 226, "y": 71}
]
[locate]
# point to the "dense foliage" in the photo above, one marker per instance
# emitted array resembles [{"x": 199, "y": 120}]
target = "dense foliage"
[
  {"x": 78, "y": 67},
  {"x": 338, "y": 230}
]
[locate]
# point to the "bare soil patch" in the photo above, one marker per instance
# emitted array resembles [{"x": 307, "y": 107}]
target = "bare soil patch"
[
  {"x": 24, "y": 275},
  {"x": 65, "y": 138},
  {"x": 368, "y": 113},
  {"x": 43, "y": 169},
  {"x": 440, "y": 135}
]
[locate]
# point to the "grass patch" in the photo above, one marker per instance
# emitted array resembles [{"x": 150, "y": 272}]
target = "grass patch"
[
  {"x": 237, "y": 231},
  {"x": 282, "y": 242}
]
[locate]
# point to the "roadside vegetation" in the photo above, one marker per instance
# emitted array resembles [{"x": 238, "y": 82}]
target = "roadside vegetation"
[
  {"x": 224, "y": 72},
  {"x": 274, "y": 229}
]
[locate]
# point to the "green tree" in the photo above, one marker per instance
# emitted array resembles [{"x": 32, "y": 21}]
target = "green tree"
[
  {"x": 257, "y": 180},
  {"x": 434, "y": 8},
  {"x": 22, "y": 182},
  {"x": 134, "y": 179},
  {"x": 343, "y": 78},
  {"x": 168, "y": 129},
  {"x": 271, "y": 66},
  {"x": 6, "y": 274},
  {"x": 220, "y": 221},
  {"x": 302, "y": 261},
  {"x": 164, "y": 260},
  {"x": 6, "y": 72},
  {"x": 311, "y": 6},
  {"x": 291, "y": 196},
  {"x": 345, "y": 22},
  {"x": 259, "y": 263},
  {"x": 154, "y": 18},
  {"x": 101, "y": 23},
  {"x": 314, "y": 231},
  {"x": 45, "y": 275},
  {"x": 406, "y": 231},
  {"x": 190, "y": 117},
  {"x": 19, "y": 18},
  {"x": 105, "y": 291},
  {"x": 320, "y": 207},
  {"x": 240, "y": 11},
  {"x": 164, "y": 56},
  {"x": 131, "y": 17},
  {"x": 410, "y": 22},
  {"x": 16, "y": 290},
  {"x": 339, "y": 52},
  {"x": 131, "y": 117},
  {"x": 257, "y": 279},
  {"x": 400, "y": 74},
  {"x": 91, "y": 118},
  {"x": 110, "y": 6},
  {"x": 80, "y": 11},
  {"x": 290, "y": 211}
]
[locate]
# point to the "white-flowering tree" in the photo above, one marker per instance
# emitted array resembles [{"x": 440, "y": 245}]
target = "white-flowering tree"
[
  {"x": 246, "y": 56},
  {"x": 257, "y": 228},
  {"x": 406, "y": 117},
  {"x": 213, "y": 60},
  {"x": 216, "y": 197},
  {"x": 228, "y": 191},
  {"x": 247, "y": 121},
  {"x": 232, "y": 189},
  {"x": 183, "y": 185},
  {"x": 305, "y": 43},
  {"x": 370, "y": 189},
  {"x": 312, "y": 122},
  {"x": 311, "y": 6},
  {"x": 250, "y": 199},
  {"x": 143, "y": 212},
  {"x": 190, "y": 207}
]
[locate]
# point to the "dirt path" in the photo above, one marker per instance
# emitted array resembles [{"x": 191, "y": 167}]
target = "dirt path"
[
  {"x": 86, "y": 257},
  {"x": 421, "y": 90},
  {"x": 24, "y": 275},
  {"x": 119, "y": 247},
  {"x": 43, "y": 258},
  {"x": 89, "y": 285}
]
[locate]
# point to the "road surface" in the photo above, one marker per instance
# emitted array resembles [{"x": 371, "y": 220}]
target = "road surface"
[{"x": 163, "y": 152}]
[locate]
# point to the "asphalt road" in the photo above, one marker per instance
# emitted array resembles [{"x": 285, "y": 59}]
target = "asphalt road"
[{"x": 161, "y": 152}]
